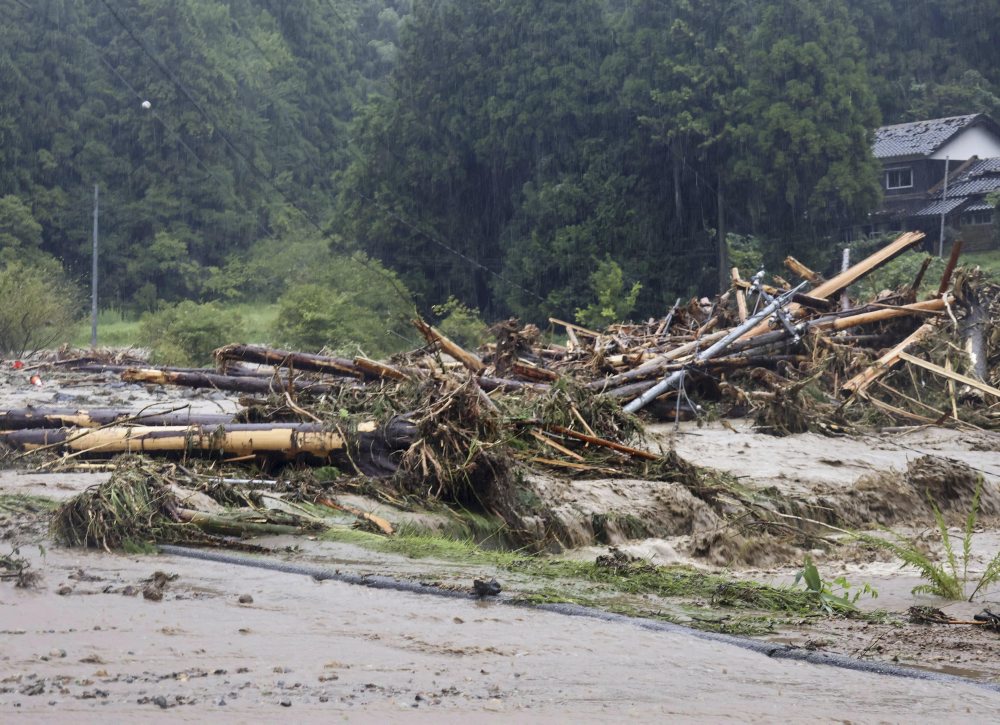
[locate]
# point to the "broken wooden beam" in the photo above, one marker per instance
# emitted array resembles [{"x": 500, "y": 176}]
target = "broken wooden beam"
[
  {"x": 434, "y": 336},
  {"x": 741, "y": 295},
  {"x": 802, "y": 271}
]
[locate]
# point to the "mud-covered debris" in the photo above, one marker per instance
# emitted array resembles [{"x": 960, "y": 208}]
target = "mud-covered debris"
[
  {"x": 927, "y": 615},
  {"x": 489, "y": 588},
  {"x": 989, "y": 618},
  {"x": 156, "y": 585}
]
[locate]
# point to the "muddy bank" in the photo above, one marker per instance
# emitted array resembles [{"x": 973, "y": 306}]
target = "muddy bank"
[{"x": 768, "y": 506}]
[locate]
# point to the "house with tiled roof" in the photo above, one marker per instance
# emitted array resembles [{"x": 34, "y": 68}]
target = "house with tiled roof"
[{"x": 916, "y": 157}]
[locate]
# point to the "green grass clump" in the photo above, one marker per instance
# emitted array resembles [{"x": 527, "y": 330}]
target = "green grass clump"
[
  {"x": 114, "y": 329},
  {"x": 948, "y": 579}
]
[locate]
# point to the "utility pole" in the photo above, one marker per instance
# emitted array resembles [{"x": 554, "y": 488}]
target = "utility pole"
[
  {"x": 944, "y": 198},
  {"x": 93, "y": 281}
]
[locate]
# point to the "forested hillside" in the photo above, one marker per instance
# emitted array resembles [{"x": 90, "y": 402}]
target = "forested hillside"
[{"x": 522, "y": 156}]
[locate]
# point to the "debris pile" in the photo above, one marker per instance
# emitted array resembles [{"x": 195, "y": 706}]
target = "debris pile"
[{"x": 460, "y": 427}]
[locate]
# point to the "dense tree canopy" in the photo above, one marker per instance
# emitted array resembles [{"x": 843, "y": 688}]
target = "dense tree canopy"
[{"x": 497, "y": 152}]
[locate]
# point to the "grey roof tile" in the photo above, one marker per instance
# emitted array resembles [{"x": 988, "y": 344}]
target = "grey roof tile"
[
  {"x": 941, "y": 207},
  {"x": 917, "y": 138}
]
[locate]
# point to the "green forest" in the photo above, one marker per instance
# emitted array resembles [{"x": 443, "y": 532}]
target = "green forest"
[{"x": 356, "y": 161}]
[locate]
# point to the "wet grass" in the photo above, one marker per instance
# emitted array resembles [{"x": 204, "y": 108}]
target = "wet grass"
[
  {"x": 12, "y": 504},
  {"x": 704, "y": 600},
  {"x": 118, "y": 329}
]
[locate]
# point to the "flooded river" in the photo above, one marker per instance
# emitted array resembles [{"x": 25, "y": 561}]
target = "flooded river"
[{"x": 327, "y": 648}]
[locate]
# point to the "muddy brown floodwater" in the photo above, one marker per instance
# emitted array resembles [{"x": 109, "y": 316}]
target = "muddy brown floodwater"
[
  {"x": 101, "y": 637},
  {"x": 321, "y": 649}
]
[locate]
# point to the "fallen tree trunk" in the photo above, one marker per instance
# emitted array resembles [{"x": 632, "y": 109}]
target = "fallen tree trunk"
[
  {"x": 266, "y": 386},
  {"x": 369, "y": 450},
  {"x": 21, "y": 418},
  {"x": 306, "y": 362}
]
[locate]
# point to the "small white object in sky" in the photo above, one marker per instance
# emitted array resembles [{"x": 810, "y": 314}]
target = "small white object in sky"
[{"x": 147, "y": 105}]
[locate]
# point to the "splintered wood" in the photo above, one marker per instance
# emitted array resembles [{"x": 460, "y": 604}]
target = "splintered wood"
[{"x": 788, "y": 355}]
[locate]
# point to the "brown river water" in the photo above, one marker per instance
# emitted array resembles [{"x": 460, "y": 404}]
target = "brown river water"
[{"x": 322, "y": 649}]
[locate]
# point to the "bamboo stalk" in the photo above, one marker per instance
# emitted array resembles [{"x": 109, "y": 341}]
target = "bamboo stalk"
[{"x": 628, "y": 450}]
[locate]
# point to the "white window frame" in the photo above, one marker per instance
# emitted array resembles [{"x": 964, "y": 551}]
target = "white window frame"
[{"x": 888, "y": 176}]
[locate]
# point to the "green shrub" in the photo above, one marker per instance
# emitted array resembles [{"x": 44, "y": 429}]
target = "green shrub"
[
  {"x": 353, "y": 304},
  {"x": 186, "y": 333},
  {"x": 899, "y": 272},
  {"x": 461, "y": 324},
  {"x": 746, "y": 253},
  {"x": 38, "y": 306},
  {"x": 614, "y": 302}
]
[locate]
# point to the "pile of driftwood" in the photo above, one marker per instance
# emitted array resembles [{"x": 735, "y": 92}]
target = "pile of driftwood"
[
  {"x": 458, "y": 426},
  {"x": 796, "y": 357}
]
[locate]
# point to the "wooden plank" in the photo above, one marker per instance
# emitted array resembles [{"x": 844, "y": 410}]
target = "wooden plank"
[
  {"x": 957, "y": 377},
  {"x": 884, "y": 364}
]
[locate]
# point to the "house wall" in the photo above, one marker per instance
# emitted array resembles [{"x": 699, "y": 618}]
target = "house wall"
[
  {"x": 926, "y": 173},
  {"x": 903, "y": 202},
  {"x": 978, "y": 237},
  {"x": 974, "y": 141}
]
